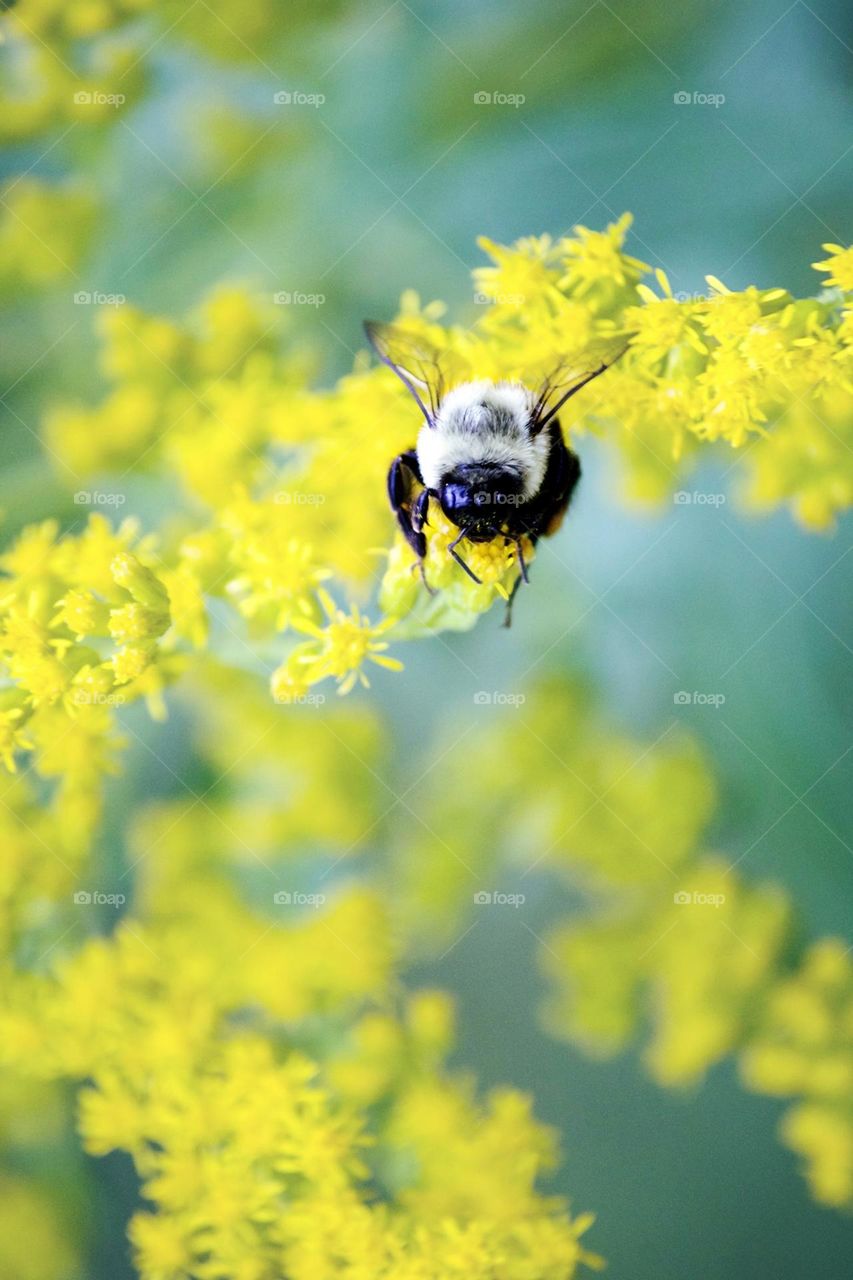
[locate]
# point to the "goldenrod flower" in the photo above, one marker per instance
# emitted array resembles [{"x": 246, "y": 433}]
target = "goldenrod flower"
[
  {"x": 839, "y": 264},
  {"x": 346, "y": 642},
  {"x": 13, "y": 737},
  {"x": 803, "y": 1048},
  {"x": 596, "y": 258},
  {"x": 676, "y": 946},
  {"x": 82, "y": 613}
]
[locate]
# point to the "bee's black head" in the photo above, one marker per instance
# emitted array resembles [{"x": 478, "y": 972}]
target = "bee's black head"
[{"x": 480, "y": 497}]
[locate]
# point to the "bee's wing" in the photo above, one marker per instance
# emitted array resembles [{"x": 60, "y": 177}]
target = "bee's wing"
[
  {"x": 413, "y": 360},
  {"x": 560, "y": 386}
]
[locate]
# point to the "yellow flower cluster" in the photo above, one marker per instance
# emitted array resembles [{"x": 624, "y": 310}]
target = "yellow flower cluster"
[
  {"x": 270, "y": 557},
  {"x": 292, "y": 481},
  {"x": 81, "y": 617},
  {"x": 293, "y": 784},
  {"x": 287, "y": 1108},
  {"x": 756, "y": 366},
  {"x": 698, "y": 959},
  {"x": 49, "y": 81},
  {"x": 674, "y": 938},
  {"x": 83, "y": 62},
  {"x": 44, "y": 231},
  {"x": 285, "y": 1117},
  {"x": 803, "y": 1048}
]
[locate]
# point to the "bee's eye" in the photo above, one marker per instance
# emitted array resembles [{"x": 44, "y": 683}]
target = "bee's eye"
[
  {"x": 479, "y": 496},
  {"x": 457, "y": 499}
]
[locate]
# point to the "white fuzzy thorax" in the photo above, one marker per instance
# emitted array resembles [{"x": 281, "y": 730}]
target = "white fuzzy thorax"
[{"x": 484, "y": 422}]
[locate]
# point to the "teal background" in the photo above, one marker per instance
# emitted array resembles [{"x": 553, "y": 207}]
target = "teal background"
[{"x": 386, "y": 186}]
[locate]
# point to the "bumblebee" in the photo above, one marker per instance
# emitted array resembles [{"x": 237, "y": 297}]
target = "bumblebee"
[{"x": 492, "y": 454}]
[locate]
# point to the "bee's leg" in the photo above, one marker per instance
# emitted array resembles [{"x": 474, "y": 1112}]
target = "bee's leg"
[
  {"x": 521, "y": 562},
  {"x": 507, "y": 622},
  {"x": 422, "y": 567},
  {"x": 458, "y": 558},
  {"x": 408, "y": 458},
  {"x": 403, "y": 474},
  {"x": 420, "y": 512}
]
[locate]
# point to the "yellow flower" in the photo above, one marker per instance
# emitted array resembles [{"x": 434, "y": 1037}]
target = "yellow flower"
[
  {"x": 13, "y": 736},
  {"x": 595, "y": 257},
  {"x": 803, "y": 1048},
  {"x": 840, "y": 266},
  {"x": 278, "y": 573},
  {"x": 82, "y": 613},
  {"x": 162, "y": 1246},
  {"x": 129, "y": 663},
  {"x": 343, "y": 646},
  {"x": 522, "y": 275},
  {"x": 146, "y": 589}
]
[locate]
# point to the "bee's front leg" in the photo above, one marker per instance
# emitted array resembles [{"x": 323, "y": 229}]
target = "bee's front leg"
[
  {"x": 403, "y": 474},
  {"x": 411, "y": 512}
]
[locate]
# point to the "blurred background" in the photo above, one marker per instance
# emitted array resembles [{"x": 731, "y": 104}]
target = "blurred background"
[{"x": 341, "y": 153}]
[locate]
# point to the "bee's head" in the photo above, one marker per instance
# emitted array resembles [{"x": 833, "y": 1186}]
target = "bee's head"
[{"x": 479, "y": 497}]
